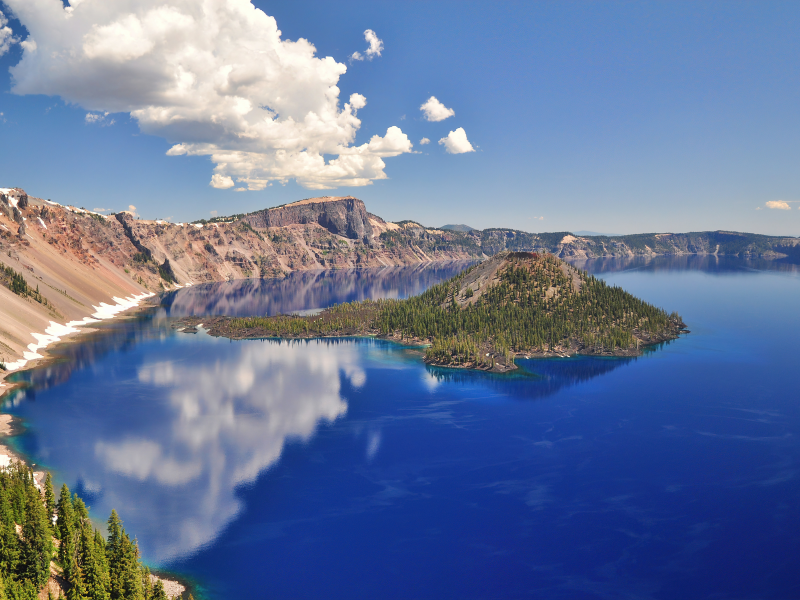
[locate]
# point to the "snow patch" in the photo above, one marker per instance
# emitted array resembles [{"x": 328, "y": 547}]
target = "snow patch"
[
  {"x": 42, "y": 222},
  {"x": 109, "y": 311},
  {"x": 56, "y": 331}
]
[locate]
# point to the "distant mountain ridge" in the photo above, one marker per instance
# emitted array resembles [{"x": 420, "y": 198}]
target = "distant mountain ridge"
[{"x": 462, "y": 228}]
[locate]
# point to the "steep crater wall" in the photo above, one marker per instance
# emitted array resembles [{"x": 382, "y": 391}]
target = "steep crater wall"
[{"x": 346, "y": 216}]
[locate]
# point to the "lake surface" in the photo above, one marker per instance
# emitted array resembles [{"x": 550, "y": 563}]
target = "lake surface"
[{"x": 349, "y": 469}]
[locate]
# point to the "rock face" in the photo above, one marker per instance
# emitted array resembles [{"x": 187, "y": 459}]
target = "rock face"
[{"x": 345, "y": 216}]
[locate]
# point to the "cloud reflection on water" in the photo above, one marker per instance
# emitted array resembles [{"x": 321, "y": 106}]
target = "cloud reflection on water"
[{"x": 228, "y": 420}]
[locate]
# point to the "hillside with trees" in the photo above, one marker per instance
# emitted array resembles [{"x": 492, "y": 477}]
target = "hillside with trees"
[
  {"x": 50, "y": 549},
  {"x": 515, "y": 304}
]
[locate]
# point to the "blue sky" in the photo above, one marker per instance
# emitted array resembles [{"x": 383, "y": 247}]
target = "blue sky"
[{"x": 608, "y": 116}]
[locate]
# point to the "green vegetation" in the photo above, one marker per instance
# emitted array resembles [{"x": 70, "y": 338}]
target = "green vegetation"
[
  {"x": 164, "y": 270},
  {"x": 536, "y": 305},
  {"x": 37, "y": 532},
  {"x": 17, "y": 284}
]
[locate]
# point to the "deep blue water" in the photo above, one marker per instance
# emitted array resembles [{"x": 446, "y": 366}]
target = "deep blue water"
[{"x": 349, "y": 469}]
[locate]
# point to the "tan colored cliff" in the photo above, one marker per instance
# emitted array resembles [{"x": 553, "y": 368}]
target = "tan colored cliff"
[{"x": 79, "y": 259}]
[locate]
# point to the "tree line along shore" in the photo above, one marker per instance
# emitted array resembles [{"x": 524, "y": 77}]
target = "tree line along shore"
[
  {"x": 50, "y": 549},
  {"x": 515, "y": 304}
]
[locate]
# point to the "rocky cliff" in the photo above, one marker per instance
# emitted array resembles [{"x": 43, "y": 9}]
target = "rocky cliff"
[
  {"x": 72, "y": 259},
  {"x": 343, "y": 216}
]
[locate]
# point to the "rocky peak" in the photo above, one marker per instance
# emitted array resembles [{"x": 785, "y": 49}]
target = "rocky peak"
[{"x": 345, "y": 216}]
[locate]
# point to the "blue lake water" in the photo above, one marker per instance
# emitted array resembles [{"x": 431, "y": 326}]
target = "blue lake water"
[{"x": 349, "y": 469}]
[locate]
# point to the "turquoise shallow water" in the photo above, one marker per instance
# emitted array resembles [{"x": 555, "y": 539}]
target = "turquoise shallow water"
[{"x": 349, "y": 469}]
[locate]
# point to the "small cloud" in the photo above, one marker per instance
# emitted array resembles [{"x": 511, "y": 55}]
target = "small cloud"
[
  {"x": 375, "y": 47},
  {"x": 177, "y": 150},
  {"x": 357, "y": 101},
  {"x": 424, "y": 141},
  {"x": 373, "y": 444},
  {"x": 221, "y": 182},
  {"x": 779, "y": 205},
  {"x": 213, "y": 213},
  {"x": 98, "y": 119},
  {"x": 435, "y": 110},
  {"x": 456, "y": 142},
  {"x": 101, "y": 210},
  {"x": 6, "y": 35},
  {"x": 375, "y": 44},
  {"x": 241, "y": 189},
  {"x": 132, "y": 210},
  {"x": 402, "y": 117}
]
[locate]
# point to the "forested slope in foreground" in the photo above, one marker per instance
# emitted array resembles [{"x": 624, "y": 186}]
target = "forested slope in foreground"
[
  {"x": 49, "y": 548},
  {"x": 516, "y": 303}
]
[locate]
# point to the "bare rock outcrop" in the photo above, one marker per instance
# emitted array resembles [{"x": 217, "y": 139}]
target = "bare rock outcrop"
[{"x": 345, "y": 216}]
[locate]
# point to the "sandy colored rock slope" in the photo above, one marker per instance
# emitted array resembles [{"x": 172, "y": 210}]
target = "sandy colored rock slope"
[{"x": 79, "y": 259}]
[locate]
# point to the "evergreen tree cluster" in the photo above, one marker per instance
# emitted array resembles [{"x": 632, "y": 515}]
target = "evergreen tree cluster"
[
  {"x": 39, "y": 535},
  {"x": 17, "y": 284},
  {"x": 535, "y": 307}
]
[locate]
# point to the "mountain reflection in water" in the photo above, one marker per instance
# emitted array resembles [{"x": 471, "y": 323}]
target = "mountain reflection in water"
[
  {"x": 304, "y": 290},
  {"x": 707, "y": 263}
]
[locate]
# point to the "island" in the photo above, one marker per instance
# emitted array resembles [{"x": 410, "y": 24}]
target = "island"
[{"x": 515, "y": 304}]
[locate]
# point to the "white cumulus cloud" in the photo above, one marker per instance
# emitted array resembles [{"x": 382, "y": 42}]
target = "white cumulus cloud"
[
  {"x": 779, "y": 204},
  {"x": 424, "y": 141},
  {"x": 221, "y": 182},
  {"x": 6, "y": 35},
  {"x": 375, "y": 47},
  {"x": 456, "y": 142},
  {"x": 435, "y": 110},
  {"x": 214, "y": 78}
]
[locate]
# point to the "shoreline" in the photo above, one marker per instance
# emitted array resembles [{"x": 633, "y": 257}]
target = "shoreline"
[
  {"x": 67, "y": 333},
  {"x": 54, "y": 336},
  {"x": 215, "y": 326}
]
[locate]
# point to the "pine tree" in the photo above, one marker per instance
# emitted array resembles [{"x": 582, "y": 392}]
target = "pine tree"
[
  {"x": 49, "y": 497},
  {"x": 37, "y": 544},
  {"x": 77, "y": 589},
  {"x": 9, "y": 540},
  {"x": 114, "y": 555},
  {"x": 95, "y": 570},
  {"x": 132, "y": 588},
  {"x": 158, "y": 591}
]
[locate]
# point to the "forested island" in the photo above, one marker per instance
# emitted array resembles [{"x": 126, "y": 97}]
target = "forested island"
[
  {"x": 514, "y": 304},
  {"x": 50, "y": 549}
]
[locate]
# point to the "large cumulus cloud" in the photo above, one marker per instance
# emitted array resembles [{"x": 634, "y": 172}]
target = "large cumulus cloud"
[{"x": 214, "y": 77}]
